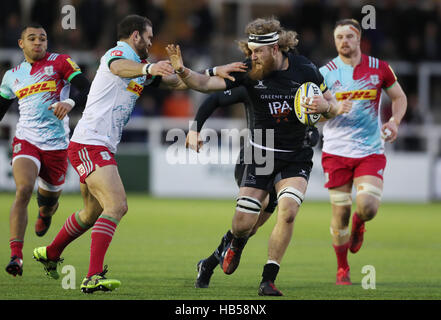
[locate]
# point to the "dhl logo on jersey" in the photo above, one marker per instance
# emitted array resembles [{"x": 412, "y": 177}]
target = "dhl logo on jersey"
[
  {"x": 135, "y": 88},
  {"x": 370, "y": 94},
  {"x": 36, "y": 88}
]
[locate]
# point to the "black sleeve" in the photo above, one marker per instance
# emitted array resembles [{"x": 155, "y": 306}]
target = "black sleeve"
[
  {"x": 82, "y": 85},
  {"x": 214, "y": 101},
  {"x": 238, "y": 76},
  {"x": 4, "y": 106}
]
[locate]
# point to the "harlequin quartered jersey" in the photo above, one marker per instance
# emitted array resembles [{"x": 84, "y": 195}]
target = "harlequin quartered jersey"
[
  {"x": 357, "y": 133},
  {"x": 37, "y": 86},
  {"x": 110, "y": 102}
]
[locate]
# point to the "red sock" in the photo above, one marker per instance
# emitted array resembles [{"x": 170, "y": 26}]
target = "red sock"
[
  {"x": 72, "y": 229},
  {"x": 102, "y": 234},
  {"x": 16, "y": 246},
  {"x": 356, "y": 221},
  {"x": 341, "y": 252}
]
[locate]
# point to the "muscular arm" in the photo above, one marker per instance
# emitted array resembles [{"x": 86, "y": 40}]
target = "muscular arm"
[
  {"x": 201, "y": 82},
  {"x": 197, "y": 81},
  {"x": 172, "y": 82},
  {"x": 175, "y": 82},
  {"x": 399, "y": 107},
  {"x": 125, "y": 68},
  {"x": 399, "y": 102}
]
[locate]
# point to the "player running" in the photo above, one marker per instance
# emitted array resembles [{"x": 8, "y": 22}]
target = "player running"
[
  {"x": 118, "y": 83},
  {"x": 273, "y": 77},
  {"x": 205, "y": 267},
  {"x": 353, "y": 148},
  {"x": 41, "y": 84}
]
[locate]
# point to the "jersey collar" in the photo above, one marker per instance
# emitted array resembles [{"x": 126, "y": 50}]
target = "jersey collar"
[{"x": 126, "y": 45}]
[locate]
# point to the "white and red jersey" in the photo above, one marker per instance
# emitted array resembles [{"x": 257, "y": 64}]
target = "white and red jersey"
[
  {"x": 37, "y": 86},
  {"x": 110, "y": 101},
  {"x": 356, "y": 134}
]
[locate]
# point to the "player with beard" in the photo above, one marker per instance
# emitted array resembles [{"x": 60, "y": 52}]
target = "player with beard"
[
  {"x": 274, "y": 75},
  {"x": 118, "y": 83},
  {"x": 41, "y": 83},
  {"x": 353, "y": 149},
  {"x": 205, "y": 267}
]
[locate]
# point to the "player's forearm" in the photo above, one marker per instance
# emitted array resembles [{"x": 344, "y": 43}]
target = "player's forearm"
[
  {"x": 194, "y": 80},
  {"x": 127, "y": 69},
  {"x": 82, "y": 84},
  {"x": 399, "y": 107},
  {"x": 172, "y": 82},
  {"x": 204, "y": 112}
]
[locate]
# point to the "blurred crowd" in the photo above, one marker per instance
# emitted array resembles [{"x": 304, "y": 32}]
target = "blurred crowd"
[{"x": 406, "y": 30}]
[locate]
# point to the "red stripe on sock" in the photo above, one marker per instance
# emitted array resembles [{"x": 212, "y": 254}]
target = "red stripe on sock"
[
  {"x": 102, "y": 235},
  {"x": 68, "y": 233}
]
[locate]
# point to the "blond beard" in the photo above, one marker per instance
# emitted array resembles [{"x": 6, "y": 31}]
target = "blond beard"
[{"x": 263, "y": 71}]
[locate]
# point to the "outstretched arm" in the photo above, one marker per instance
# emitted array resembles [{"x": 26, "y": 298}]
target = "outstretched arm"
[
  {"x": 125, "y": 68},
  {"x": 175, "y": 82},
  {"x": 197, "y": 81}
]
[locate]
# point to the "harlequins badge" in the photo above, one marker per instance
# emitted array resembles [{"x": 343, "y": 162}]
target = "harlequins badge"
[
  {"x": 49, "y": 70},
  {"x": 375, "y": 79}
]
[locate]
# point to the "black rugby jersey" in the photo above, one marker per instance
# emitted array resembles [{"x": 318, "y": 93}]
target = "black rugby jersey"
[{"x": 272, "y": 100}]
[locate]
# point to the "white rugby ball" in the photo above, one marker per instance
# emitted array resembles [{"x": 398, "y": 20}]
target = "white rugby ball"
[{"x": 306, "y": 91}]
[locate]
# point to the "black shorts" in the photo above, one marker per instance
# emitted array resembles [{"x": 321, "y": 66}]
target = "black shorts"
[
  {"x": 299, "y": 165},
  {"x": 238, "y": 175}
]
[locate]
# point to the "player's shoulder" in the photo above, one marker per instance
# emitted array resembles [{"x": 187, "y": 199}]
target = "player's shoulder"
[
  {"x": 372, "y": 62},
  {"x": 330, "y": 66},
  {"x": 122, "y": 50},
  {"x": 300, "y": 61},
  {"x": 13, "y": 72}
]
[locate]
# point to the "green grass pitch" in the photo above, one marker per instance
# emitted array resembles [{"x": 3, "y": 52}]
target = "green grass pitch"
[{"x": 159, "y": 241}]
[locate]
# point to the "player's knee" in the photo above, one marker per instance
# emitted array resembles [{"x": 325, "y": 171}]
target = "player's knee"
[
  {"x": 288, "y": 212},
  {"x": 243, "y": 223},
  {"x": 123, "y": 208},
  {"x": 367, "y": 211},
  {"x": 44, "y": 201},
  {"x": 368, "y": 200},
  {"x": 24, "y": 192},
  {"x": 289, "y": 200}
]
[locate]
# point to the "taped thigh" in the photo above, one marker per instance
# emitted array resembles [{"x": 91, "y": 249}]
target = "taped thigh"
[
  {"x": 367, "y": 188},
  {"x": 340, "y": 198},
  {"x": 248, "y": 205},
  {"x": 290, "y": 192}
]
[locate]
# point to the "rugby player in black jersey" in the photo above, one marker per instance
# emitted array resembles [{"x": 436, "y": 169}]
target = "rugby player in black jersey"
[
  {"x": 273, "y": 77},
  {"x": 205, "y": 267}
]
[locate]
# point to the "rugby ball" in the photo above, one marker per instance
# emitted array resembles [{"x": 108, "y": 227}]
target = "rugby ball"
[{"x": 303, "y": 94}]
